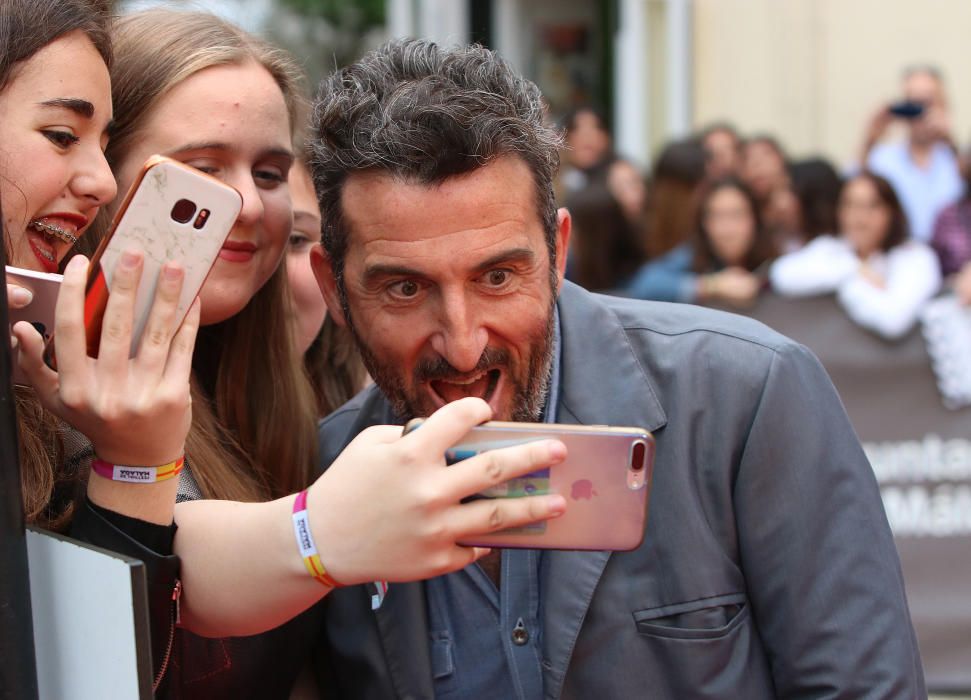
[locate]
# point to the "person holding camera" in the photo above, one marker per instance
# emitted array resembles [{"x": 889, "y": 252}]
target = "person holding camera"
[{"x": 923, "y": 169}]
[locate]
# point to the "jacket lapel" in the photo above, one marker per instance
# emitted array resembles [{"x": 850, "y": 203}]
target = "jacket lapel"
[
  {"x": 403, "y": 628},
  {"x": 602, "y": 383}
]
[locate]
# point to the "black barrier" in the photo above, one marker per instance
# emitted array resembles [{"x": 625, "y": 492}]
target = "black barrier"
[
  {"x": 921, "y": 454},
  {"x": 18, "y": 670}
]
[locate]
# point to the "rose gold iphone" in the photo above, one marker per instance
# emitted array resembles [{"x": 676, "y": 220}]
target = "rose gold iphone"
[
  {"x": 172, "y": 212},
  {"x": 40, "y": 312},
  {"x": 606, "y": 479}
]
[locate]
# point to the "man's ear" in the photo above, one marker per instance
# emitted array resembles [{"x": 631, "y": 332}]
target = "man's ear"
[
  {"x": 324, "y": 272},
  {"x": 564, "y": 225}
]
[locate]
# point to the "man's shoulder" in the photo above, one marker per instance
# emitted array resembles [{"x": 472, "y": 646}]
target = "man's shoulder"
[{"x": 690, "y": 324}]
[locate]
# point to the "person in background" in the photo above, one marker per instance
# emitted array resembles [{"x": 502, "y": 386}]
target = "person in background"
[
  {"x": 673, "y": 188},
  {"x": 723, "y": 150},
  {"x": 605, "y": 249},
  {"x": 923, "y": 168},
  {"x": 881, "y": 278},
  {"x": 724, "y": 261},
  {"x": 330, "y": 358},
  {"x": 627, "y": 185},
  {"x": 952, "y": 240},
  {"x": 588, "y": 149},
  {"x": 765, "y": 169},
  {"x": 807, "y": 208}
]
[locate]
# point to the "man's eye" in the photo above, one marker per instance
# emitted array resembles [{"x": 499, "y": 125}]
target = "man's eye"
[
  {"x": 407, "y": 288},
  {"x": 63, "y": 139},
  {"x": 497, "y": 278}
]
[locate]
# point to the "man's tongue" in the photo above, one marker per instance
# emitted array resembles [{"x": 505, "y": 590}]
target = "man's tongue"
[{"x": 450, "y": 391}]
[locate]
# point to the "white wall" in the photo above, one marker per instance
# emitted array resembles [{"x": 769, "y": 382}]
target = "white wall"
[{"x": 813, "y": 71}]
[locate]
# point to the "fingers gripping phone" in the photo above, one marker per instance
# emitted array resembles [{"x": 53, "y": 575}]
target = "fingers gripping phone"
[
  {"x": 40, "y": 312},
  {"x": 172, "y": 212},
  {"x": 606, "y": 479}
]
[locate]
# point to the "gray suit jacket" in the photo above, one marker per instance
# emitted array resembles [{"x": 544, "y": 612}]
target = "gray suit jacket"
[{"x": 767, "y": 570}]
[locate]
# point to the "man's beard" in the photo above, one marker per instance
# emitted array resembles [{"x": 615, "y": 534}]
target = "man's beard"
[{"x": 529, "y": 389}]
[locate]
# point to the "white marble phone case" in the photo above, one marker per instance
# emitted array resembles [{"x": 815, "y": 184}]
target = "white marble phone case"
[{"x": 145, "y": 222}]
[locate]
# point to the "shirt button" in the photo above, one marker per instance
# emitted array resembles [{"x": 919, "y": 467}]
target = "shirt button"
[{"x": 520, "y": 635}]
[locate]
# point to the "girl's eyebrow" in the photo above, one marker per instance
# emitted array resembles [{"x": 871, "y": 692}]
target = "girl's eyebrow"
[{"x": 74, "y": 104}]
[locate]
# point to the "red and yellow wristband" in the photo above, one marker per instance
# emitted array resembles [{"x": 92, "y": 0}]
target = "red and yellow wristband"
[
  {"x": 311, "y": 559},
  {"x": 305, "y": 542},
  {"x": 137, "y": 475}
]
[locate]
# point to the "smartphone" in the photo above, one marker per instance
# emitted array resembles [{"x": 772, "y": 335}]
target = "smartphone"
[
  {"x": 172, "y": 212},
  {"x": 605, "y": 479},
  {"x": 40, "y": 312},
  {"x": 907, "y": 109}
]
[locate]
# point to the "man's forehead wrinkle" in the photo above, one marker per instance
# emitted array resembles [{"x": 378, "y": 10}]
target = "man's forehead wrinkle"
[{"x": 381, "y": 245}]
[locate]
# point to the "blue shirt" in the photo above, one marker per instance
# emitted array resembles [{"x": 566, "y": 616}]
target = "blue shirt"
[
  {"x": 484, "y": 642},
  {"x": 923, "y": 192}
]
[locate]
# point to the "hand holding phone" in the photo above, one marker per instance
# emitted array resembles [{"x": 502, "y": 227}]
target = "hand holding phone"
[
  {"x": 605, "y": 479},
  {"x": 39, "y": 312},
  {"x": 172, "y": 212},
  {"x": 907, "y": 109},
  {"x": 134, "y": 411}
]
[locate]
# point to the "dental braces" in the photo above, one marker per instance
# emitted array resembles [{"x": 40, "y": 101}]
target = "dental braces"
[{"x": 55, "y": 231}]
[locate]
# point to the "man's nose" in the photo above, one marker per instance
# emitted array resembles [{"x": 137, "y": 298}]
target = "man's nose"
[{"x": 461, "y": 338}]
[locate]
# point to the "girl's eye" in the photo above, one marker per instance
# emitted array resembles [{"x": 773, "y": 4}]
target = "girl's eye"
[
  {"x": 269, "y": 177},
  {"x": 298, "y": 241},
  {"x": 62, "y": 139}
]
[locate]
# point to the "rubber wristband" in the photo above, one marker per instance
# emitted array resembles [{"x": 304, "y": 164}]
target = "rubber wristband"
[
  {"x": 311, "y": 559},
  {"x": 137, "y": 475},
  {"x": 305, "y": 542}
]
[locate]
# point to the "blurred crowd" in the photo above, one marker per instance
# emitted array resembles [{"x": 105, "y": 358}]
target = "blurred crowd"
[{"x": 723, "y": 216}]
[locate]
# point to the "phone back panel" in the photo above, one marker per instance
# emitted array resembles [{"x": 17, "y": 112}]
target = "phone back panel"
[
  {"x": 607, "y": 501},
  {"x": 40, "y": 311},
  {"x": 146, "y": 223}
]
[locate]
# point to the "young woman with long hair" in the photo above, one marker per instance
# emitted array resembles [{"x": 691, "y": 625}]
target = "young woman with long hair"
[
  {"x": 881, "y": 277},
  {"x": 724, "y": 260}
]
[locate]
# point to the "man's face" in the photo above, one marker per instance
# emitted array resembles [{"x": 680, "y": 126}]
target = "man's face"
[
  {"x": 934, "y": 123},
  {"x": 448, "y": 288}
]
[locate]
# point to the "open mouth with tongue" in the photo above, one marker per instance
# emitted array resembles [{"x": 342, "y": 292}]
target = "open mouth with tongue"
[{"x": 483, "y": 384}]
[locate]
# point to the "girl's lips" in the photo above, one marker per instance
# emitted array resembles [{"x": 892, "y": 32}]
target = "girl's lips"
[
  {"x": 237, "y": 251},
  {"x": 43, "y": 251}
]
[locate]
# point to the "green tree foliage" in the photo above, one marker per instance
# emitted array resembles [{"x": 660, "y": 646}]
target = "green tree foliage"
[{"x": 364, "y": 14}]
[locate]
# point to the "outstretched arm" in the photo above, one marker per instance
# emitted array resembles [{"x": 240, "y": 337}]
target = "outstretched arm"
[{"x": 387, "y": 509}]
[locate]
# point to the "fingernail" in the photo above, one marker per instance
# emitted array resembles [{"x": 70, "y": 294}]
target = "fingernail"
[
  {"x": 130, "y": 258},
  {"x": 172, "y": 271},
  {"x": 76, "y": 262},
  {"x": 21, "y": 296},
  {"x": 557, "y": 506},
  {"x": 557, "y": 451}
]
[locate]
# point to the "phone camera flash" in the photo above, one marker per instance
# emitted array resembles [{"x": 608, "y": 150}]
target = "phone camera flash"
[{"x": 201, "y": 219}]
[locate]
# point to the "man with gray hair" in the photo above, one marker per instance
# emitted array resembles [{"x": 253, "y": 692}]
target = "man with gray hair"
[{"x": 767, "y": 568}]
